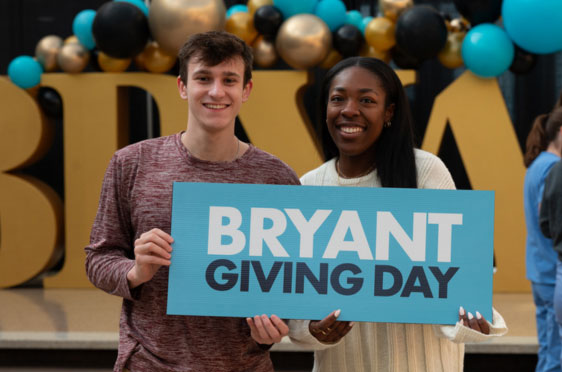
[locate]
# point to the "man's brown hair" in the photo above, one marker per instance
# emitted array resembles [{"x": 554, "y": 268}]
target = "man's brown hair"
[{"x": 213, "y": 48}]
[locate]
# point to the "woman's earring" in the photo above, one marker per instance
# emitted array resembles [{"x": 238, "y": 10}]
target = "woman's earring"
[{"x": 387, "y": 124}]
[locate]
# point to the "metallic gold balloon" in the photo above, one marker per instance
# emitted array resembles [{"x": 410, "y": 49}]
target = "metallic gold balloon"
[
  {"x": 450, "y": 56},
  {"x": 253, "y": 5},
  {"x": 393, "y": 8},
  {"x": 73, "y": 57},
  {"x": 369, "y": 51},
  {"x": 46, "y": 52},
  {"x": 458, "y": 25},
  {"x": 110, "y": 64},
  {"x": 303, "y": 41},
  {"x": 379, "y": 33},
  {"x": 154, "y": 59},
  {"x": 72, "y": 39},
  {"x": 172, "y": 22},
  {"x": 265, "y": 54},
  {"x": 241, "y": 24},
  {"x": 331, "y": 59}
]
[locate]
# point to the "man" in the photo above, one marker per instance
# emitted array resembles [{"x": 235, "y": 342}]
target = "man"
[{"x": 130, "y": 246}]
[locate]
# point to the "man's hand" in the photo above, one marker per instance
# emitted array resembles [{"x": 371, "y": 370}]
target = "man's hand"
[
  {"x": 152, "y": 250},
  {"x": 266, "y": 330},
  {"x": 329, "y": 330},
  {"x": 478, "y": 323}
]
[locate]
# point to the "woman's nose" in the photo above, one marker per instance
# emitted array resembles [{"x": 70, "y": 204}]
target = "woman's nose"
[{"x": 350, "y": 109}]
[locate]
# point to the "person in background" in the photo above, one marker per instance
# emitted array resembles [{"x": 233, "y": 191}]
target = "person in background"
[
  {"x": 368, "y": 132},
  {"x": 543, "y": 148},
  {"x": 130, "y": 245}
]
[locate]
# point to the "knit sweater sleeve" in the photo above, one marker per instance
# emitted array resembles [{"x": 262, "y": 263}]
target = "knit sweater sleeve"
[
  {"x": 461, "y": 334},
  {"x": 433, "y": 174},
  {"x": 107, "y": 256}
]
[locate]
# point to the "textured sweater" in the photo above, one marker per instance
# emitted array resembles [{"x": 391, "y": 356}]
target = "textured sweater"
[
  {"x": 137, "y": 197},
  {"x": 392, "y": 347}
]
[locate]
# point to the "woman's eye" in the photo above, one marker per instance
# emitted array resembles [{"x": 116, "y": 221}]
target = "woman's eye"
[
  {"x": 336, "y": 99},
  {"x": 367, "y": 100}
]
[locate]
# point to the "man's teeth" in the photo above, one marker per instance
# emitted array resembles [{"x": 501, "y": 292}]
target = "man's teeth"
[
  {"x": 351, "y": 129},
  {"x": 215, "y": 106}
]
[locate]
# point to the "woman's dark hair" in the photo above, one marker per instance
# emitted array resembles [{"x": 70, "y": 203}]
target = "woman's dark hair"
[
  {"x": 394, "y": 152},
  {"x": 543, "y": 132}
]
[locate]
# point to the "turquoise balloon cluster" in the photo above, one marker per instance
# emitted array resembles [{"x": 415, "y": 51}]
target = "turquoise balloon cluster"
[{"x": 534, "y": 26}]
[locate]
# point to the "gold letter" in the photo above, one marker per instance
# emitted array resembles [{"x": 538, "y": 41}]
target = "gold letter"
[
  {"x": 476, "y": 112},
  {"x": 30, "y": 212}
]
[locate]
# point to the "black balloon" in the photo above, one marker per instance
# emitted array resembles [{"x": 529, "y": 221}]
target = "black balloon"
[
  {"x": 479, "y": 11},
  {"x": 523, "y": 61},
  {"x": 267, "y": 20},
  {"x": 50, "y": 101},
  {"x": 421, "y": 32},
  {"x": 348, "y": 40},
  {"x": 120, "y": 29},
  {"x": 403, "y": 60}
]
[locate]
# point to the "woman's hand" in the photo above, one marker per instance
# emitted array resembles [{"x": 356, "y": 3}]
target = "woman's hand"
[
  {"x": 478, "y": 323},
  {"x": 152, "y": 250},
  {"x": 267, "y": 331},
  {"x": 329, "y": 330}
]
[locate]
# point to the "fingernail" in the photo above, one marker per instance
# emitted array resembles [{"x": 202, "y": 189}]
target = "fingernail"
[
  {"x": 478, "y": 315},
  {"x": 461, "y": 311},
  {"x": 351, "y": 324},
  {"x": 337, "y": 313},
  {"x": 470, "y": 316}
]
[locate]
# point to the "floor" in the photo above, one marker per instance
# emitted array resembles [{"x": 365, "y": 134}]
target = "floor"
[{"x": 37, "y": 323}]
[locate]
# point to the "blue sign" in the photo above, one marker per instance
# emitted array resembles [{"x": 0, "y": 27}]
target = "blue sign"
[{"x": 300, "y": 252}]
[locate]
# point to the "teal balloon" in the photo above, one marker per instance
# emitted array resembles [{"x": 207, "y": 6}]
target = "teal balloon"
[
  {"x": 290, "y": 8},
  {"x": 82, "y": 28},
  {"x": 236, "y": 9},
  {"x": 25, "y": 72},
  {"x": 534, "y": 25},
  {"x": 364, "y": 24},
  {"x": 139, "y": 4},
  {"x": 487, "y": 50},
  {"x": 332, "y": 12},
  {"x": 354, "y": 17}
]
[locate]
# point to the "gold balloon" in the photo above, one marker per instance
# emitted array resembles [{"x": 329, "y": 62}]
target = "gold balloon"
[
  {"x": 265, "y": 54},
  {"x": 254, "y": 5},
  {"x": 154, "y": 59},
  {"x": 458, "y": 25},
  {"x": 369, "y": 51},
  {"x": 450, "y": 56},
  {"x": 393, "y": 8},
  {"x": 331, "y": 59},
  {"x": 172, "y": 22},
  {"x": 380, "y": 32},
  {"x": 241, "y": 24},
  {"x": 71, "y": 40},
  {"x": 303, "y": 41},
  {"x": 110, "y": 64},
  {"x": 73, "y": 57},
  {"x": 46, "y": 52}
]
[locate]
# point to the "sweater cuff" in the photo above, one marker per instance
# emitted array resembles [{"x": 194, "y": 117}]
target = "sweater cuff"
[{"x": 461, "y": 334}]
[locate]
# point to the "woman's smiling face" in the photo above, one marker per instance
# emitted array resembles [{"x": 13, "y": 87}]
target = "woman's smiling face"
[{"x": 356, "y": 111}]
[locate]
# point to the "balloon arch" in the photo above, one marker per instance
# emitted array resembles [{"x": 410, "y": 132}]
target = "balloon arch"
[{"x": 488, "y": 38}]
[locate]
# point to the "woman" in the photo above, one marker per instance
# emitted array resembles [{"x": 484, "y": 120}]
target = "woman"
[
  {"x": 543, "y": 148},
  {"x": 370, "y": 134}
]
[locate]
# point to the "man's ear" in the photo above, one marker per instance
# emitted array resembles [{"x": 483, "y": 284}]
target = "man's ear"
[
  {"x": 182, "y": 88},
  {"x": 247, "y": 90}
]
